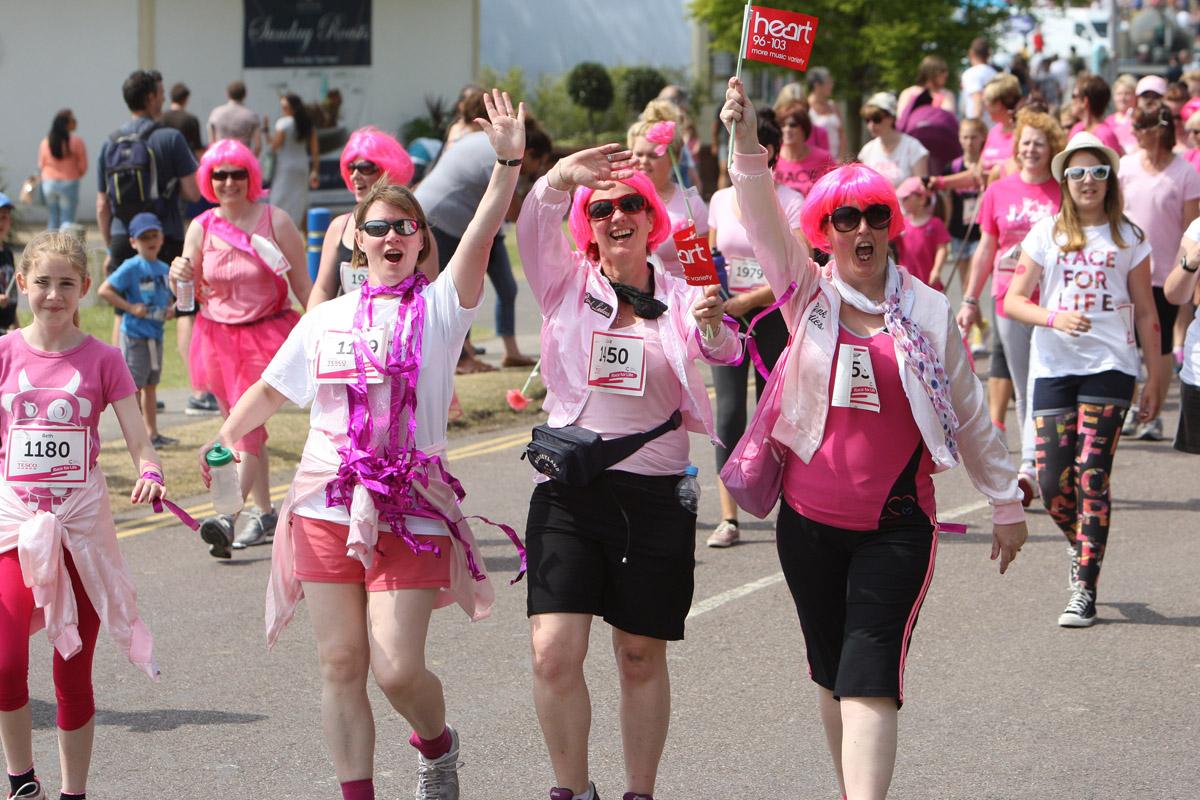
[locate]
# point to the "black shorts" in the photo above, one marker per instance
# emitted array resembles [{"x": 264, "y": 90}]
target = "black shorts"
[
  {"x": 1187, "y": 438},
  {"x": 857, "y": 594},
  {"x": 583, "y": 559},
  {"x": 1053, "y": 396}
]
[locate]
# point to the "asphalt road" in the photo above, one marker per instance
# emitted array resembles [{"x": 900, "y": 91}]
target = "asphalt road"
[{"x": 1001, "y": 703}]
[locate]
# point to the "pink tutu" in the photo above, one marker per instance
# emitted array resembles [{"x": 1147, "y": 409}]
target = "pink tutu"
[{"x": 229, "y": 359}]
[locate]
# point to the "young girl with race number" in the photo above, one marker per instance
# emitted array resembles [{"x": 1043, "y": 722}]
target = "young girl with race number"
[
  {"x": 60, "y": 567},
  {"x": 1092, "y": 267},
  {"x": 371, "y": 532}
]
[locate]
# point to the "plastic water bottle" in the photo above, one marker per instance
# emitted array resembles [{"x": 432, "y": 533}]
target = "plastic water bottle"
[
  {"x": 688, "y": 489},
  {"x": 226, "y": 491},
  {"x": 185, "y": 295}
]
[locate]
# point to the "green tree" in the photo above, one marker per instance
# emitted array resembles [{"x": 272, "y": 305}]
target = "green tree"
[
  {"x": 590, "y": 86},
  {"x": 867, "y": 45},
  {"x": 640, "y": 85}
]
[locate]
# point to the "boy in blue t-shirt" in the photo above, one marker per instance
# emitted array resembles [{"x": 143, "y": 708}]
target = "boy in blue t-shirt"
[{"x": 139, "y": 288}]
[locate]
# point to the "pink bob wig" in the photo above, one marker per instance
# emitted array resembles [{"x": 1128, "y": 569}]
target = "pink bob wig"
[
  {"x": 229, "y": 151},
  {"x": 581, "y": 227},
  {"x": 372, "y": 144},
  {"x": 850, "y": 184}
]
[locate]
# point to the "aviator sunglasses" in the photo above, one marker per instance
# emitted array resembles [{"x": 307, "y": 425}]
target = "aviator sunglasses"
[
  {"x": 1099, "y": 172},
  {"x": 628, "y": 203},
  {"x": 362, "y": 168},
  {"x": 379, "y": 228},
  {"x": 847, "y": 218},
  {"x": 221, "y": 175}
]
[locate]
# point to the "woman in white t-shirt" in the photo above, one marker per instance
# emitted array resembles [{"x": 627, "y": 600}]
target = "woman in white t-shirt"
[
  {"x": 1182, "y": 285},
  {"x": 892, "y": 154},
  {"x": 374, "y": 537},
  {"x": 1092, "y": 267}
]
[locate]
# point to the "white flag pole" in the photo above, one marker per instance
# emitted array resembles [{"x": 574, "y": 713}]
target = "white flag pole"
[{"x": 741, "y": 56}]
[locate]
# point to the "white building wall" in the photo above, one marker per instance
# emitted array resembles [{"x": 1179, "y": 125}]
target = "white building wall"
[{"x": 76, "y": 53}]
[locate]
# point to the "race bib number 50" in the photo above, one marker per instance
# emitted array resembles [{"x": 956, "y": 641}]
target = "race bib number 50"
[
  {"x": 618, "y": 364},
  {"x": 335, "y": 356},
  {"x": 44, "y": 455}
]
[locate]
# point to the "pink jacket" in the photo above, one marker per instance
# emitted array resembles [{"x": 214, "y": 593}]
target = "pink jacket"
[
  {"x": 318, "y": 466},
  {"x": 812, "y": 317},
  {"x": 84, "y": 526},
  {"x": 576, "y": 299}
]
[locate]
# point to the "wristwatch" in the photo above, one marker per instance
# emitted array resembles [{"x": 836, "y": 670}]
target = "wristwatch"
[
  {"x": 1183, "y": 263},
  {"x": 970, "y": 301}
]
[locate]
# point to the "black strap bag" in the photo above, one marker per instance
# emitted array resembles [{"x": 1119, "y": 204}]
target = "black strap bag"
[{"x": 576, "y": 456}]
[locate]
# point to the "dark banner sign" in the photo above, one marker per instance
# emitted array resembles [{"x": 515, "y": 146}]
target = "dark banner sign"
[{"x": 307, "y": 33}]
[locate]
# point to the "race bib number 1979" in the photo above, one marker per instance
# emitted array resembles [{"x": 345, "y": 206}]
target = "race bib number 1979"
[{"x": 46, "y": 455}]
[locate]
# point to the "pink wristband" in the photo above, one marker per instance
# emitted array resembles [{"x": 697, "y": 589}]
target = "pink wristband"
[{"x": 1050, "y": 319}]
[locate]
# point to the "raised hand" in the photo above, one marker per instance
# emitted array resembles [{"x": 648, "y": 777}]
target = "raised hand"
[
  {"x": 597, "y": 168},
  {"x": 739, "y": 109},
  {"x": 504, "y": 129}
]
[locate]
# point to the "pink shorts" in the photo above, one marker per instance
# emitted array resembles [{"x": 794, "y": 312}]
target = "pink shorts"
[{"x": 320, "y": 547}]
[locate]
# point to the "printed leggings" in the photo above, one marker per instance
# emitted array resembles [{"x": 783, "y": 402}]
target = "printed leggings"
[
  {"x": 1078, "y": 421},
  {"x": 72, "y": 677}
]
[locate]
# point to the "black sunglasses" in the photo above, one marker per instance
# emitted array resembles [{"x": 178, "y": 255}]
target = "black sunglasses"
[
  {"x": 628, "y": 203},
  {"x": 379, "y": 228},
  {"x": 221, "y": 175},
  {"x": 876, "y": 118},
  {"x": 847, "y": 218},
  {"x": 362, "y": 167}
]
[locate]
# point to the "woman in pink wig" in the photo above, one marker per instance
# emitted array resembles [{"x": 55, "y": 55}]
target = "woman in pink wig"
[{"x": 240, "y": 256}]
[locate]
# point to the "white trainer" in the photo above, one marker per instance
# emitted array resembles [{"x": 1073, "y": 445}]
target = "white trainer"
[
  {"x": 724, "y": 535},
  {"x": 437, "y": 779}
]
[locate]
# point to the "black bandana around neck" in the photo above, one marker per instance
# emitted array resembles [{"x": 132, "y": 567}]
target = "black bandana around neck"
[{"x": 645, "y": 304}]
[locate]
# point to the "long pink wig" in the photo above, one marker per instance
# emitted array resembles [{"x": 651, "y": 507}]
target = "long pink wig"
[
  {"x": 581, "y": 227},
  {"x": 229, "y": 151},
  {"x": 851, "y": 184},
  {"x": 372, "y": 144}
]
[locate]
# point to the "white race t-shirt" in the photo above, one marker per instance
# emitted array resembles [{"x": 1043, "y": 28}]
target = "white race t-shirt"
[
  {"x": 896, "y": 165},
  {"x": 293, "y": 373},
  {"x": 973, "y": 80},
  {"x": 1191, "y": 343},
  {"x": 1095, "y": 281}
]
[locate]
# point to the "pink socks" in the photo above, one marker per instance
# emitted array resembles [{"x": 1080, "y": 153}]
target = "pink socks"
[
  {"x": 359, "y": 790},
  {"x": 432, "y": 748}
]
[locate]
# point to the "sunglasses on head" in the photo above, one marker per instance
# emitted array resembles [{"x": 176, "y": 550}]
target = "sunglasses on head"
[
  {"x": 1099, "y": 172},
  {"x": 222, "y": 175},
  {"x": 847, "y": 218},
  {"x": 379, "y": 228},
  {"x": 362, "y": 167},
  {"x": 628, "y": 203}
]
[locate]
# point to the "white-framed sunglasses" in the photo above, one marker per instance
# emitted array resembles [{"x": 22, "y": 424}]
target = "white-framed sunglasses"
[{"x": 1098, "y": 172}]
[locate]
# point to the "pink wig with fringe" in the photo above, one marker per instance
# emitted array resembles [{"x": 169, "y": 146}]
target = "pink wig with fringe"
[
  {"x": 581, "y": 227},
  {"x": 850, "y": 184},
  {"x": 229, "y": 151},
  {"x": 372, "y": 144}
]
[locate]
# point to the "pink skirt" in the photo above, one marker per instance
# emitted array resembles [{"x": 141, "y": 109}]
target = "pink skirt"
[{"x": 229, "y": 359}]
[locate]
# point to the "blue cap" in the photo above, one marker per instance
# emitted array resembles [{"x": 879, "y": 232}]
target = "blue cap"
[
  {"x": 691, "y": 471},
  {"x": 143, "y": 223},
  {"x": 4, "y": 201}
]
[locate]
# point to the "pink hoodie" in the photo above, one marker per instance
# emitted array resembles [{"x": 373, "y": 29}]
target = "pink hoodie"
[
  {"x": 83, "y": 525},
  {"x": 576, "y": 299}
]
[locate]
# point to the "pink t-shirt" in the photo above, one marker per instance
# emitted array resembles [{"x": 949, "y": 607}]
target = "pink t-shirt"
[
  {"x": 1122, "y": 127},
  {"x": 819, "y": 138},
  {"x": 1155, "y": 204},
  {"x": 70, "y": 388},
  {"x": 1009, "y": 208},
  {"x": 918, "y": 245},
  {"x": 1193, "y": 157},
  {"x": 872, "y": 465},
  {"x": 677, "y": 210},
  {"x": 238, "y": 288},
  {"x": 801, "y": 175},
  {"x": 998, "y": 147},
  {"x": 726, "y": 220},
  {"x": 1103, "y": 132},
  {"x": 612, "y": 415}
]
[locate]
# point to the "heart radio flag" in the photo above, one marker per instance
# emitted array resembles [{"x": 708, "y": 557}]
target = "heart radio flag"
[
  {"x": 695, "y": 257},
  {"x": 784, "y": 38}
]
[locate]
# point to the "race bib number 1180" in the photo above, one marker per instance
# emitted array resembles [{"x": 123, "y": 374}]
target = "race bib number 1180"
[{"x": 46, "y": 455}]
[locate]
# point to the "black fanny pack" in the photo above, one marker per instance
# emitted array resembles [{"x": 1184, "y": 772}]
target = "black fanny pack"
[{"x": 577, "y": 456}]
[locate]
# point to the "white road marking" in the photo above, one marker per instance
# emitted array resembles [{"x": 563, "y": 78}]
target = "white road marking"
[{"x": 738, "y": 592}]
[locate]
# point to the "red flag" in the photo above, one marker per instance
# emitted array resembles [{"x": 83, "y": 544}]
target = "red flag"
[
  {"x": 784, "y": 38},
  {"x": 696, "y": 258}
]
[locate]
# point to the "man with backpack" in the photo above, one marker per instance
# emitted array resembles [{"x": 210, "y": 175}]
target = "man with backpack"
[{"x": 143, "y": 167}]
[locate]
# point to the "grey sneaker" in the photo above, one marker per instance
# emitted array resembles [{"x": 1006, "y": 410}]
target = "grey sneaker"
[
  {"x": 1131, "y": 424},
  {"x": 30, "y": 791},
  {"x": 201, "y": 406},
  {"x": 1073, "y": 578},
  {"x": 1080, "y": 611},
  {"x": 1151, "y": 431},
  {"x": 218, "y": 532},
  {"x": 724, "y": 535},
  {"x": 258, "y": 529},
  {"x": 558, "y": 793},
  {"x": 437, "y": 779}
]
